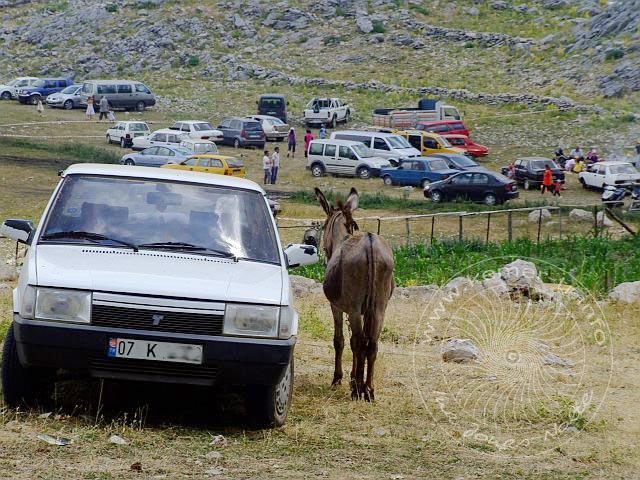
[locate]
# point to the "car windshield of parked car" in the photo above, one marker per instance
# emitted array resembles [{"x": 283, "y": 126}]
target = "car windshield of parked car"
[
  {"x": 12, "y": 83},
  {"x": 451, "y": 113},
  {"x": 234, "y": 163},
  {"x": 155, "y": 214},
  {"x": 200, "y": 127},
  {"x": 38, "y": 83},
  {"x": 182, "y": 151},
  {"x": 252, "y": 126},
  {"x": 70, "y": 90},
  {"x": 622, "y": 169},
  {"x": 438, "y": 164},
  {"x": 541, "y": 164},
  {"x": 138, "y": 127},
  {"x": 275, "y": 121},
  {"x": 396, "y": 141},
  {"x": 362, "y": 151},
  {"x": 205, "y": 148},
  {"x": 444, "y": 142},
  {"x": 462, "y": 161}
]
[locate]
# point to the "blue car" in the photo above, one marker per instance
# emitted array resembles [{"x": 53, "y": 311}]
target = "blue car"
[
  {"x": 460, "y": 162},
  {"x": 156, "y": 156},
  {"x": 40, "y": 89},
  {"x": 417, "y": 172}
]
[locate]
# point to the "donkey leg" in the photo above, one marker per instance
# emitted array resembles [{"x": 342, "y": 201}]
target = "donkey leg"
[
  {"x": 338, "y": 345},
  {"x": 358, "y": 348},
  {"x": 372, "y": 353}
]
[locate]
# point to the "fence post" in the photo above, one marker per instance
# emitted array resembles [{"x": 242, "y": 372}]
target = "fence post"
[
  {"x": 408, "y": 227},
  {"x": 539, "y": 224},
  {"x": 460, "y": 228},
  {"x": 560, "y": 221},
  {"x": 488, "y": 226},
  {"x": 433, "y": 224},
  {"x": 595, "y": 221},
  {"x": 379, "y": 224},
  {"x": 510, "y": 226}
]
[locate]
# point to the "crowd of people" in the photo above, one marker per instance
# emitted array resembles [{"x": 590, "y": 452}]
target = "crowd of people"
[{"x": 577, "y": 160}]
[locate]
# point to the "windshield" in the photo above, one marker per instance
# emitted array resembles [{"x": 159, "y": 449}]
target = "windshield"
[
  {"x": 252, "y": 126},
  {"x": 623, "y": 168},
  {"x": 12, "y": 83},
  {"x": 70, "y": 90},
  {"x": 362, "y": 151},
  {"x": 147, "y": 211},
  {"x": 138, "y": 127},
  {"x": 451, "y": 112},
  {"x": 199, "y": 127},
  {"x": 396, "y": 141},
  {"x": 462, "y": 161},
  {"x": 205, "y": 148},
  {"x": 438, "y": 164},
  {"x": 444, "y": 142},
  {"x": 38, "y": 83},
  {"x": 541, "y": 164},
  {"x": 182, "y": 151},
  {"x": 276, "y": 121},
  {"x": 234, "y": 163}
]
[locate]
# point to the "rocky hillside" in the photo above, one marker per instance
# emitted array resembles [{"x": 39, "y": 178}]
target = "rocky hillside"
[{"x": 569, "y": 53}]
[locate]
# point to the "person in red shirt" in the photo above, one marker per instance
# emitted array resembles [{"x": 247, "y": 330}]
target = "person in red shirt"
[
  {"x": 547, "y": 181},
  {"x": 307, "y": 140},
  {"x": 557, "y": 186}
]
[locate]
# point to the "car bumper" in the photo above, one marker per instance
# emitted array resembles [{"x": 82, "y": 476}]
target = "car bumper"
[
  {"x": 271, "y": 135},
  {"x": 252, "y": 142},
  {"x": 375, "y": 172},
  {"x": 25, "y": 98},
  {"x": 53, "y": 104},
  {"x": 83, "y": 348},
  {"x": 317, "y": 121}
]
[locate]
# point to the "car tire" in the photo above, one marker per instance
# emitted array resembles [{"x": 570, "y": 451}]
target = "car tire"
[
  {"x": 435, "y": 196},
  {"x": 387, "y": 180},
  {"x": 347, "y": 116},
  {"x": 317, "y": 170},
  {"x": 109, "y": 139},
  {"x": 364, "y": 173},
  {"x": 268, "y": 405},
  {"x": 68, "y": 105},
  {"x": 527, "y": 184},
  {"x": 261, "y": 146},
  {"x": 122, "y": 144},
  {"x": 424, "y": 183},
  {"x": 129, "y": 161},
  {"x": 24, "y": 387},
  {"x": 236, "y": 143},
  {"x": 490, "y": 199},
  {"x": 333, "y": 122},
  {"x": 140, "y": 106},
  {"x": 5, "y": 96},
  {"x": 33, "y": 99}
]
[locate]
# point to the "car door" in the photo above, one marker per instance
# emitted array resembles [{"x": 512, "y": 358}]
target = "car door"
[
  {"x": 186, "y": 128},
  {"x": 162, "y": 156},
  {"x": 124, "y": 97},
  {"x": 216, "y": 166},
  {"x": 381, "y": 147},
  {"x": 158, "y": 139},
  {"x": 520, "y": 169},
  {"x": 479, "y": 186},
  {"x": 329, "y": 157},
  {"x": 460, "y": 186},
  {"x": 431, "y": 145},
  {"x": 416, "y": 141},
  {"x": 235, "y": 130},
  {"x": 202, "y": 165},
  {"x": 599, "y": 176},
  {"x": 147, "y": 157},
  {"x": 346, "y": 163}
]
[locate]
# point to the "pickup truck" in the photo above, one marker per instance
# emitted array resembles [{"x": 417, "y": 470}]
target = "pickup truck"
[
  {"x": 402, "y": 118},
  {"x": 329, "y": 111}
]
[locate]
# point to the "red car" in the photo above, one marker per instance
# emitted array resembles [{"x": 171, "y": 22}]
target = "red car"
[
  {"x": 464, "y": 142},
  {"x": 444, "y": 127}
]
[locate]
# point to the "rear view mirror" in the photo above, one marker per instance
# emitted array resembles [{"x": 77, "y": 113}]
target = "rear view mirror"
[
  {"x": 18, "y": 230},
  {"x": 299, "y": 255}
]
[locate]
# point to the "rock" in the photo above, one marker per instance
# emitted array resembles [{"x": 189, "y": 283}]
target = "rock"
[
  {"x": 499, "y": 5},
  {"x": 213, "y": 455},
  {"x": 301, "y": 285},
  {"x": 535, "y": 215},
  {"x": 7, "y": 272},
  {"x": 522, "y": 279},
  {"x": 580, "y": 215},
  {"x": 496, "y": 284},
  {"x": 364, "y": 24},
  {"x": 548, "y": 39},
  {"x": 628, "y": 292},
  {"x": 550, "y": 358},
  {"x": 473, "y": 11},
  {"x": 603, "y": 220},
  {"x": 117, "y": 439},
  {"x": 459, "y": 351},
  {"x": 415, "y": 292},
  {"x": 461, "y": 285},
  {"x": 4, "y": 286},
  {"x": 380, "y": 431}
]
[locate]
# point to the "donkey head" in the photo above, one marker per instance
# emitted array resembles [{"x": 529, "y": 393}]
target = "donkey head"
[{"x": 339, "y": 223}]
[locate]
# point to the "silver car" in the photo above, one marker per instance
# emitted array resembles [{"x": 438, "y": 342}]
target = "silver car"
[
  {"x": 69, "y": 98},
  {"x": 156, "y": 156}
]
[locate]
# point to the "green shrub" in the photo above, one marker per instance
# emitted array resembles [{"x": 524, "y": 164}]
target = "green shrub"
[
  {"x": 419, "y": 8},
  {"x": 614, "y": 54},
  {"x": 144, "y": 5},
  {"x": 332, "y": 40},
  {"x": 302, "y": 39},
  {"x": 378, "y": 27},
  {"x": 340, "y": 11},
  {"x": 111, "y": 8},
  {"x": 193, "y": 61}
]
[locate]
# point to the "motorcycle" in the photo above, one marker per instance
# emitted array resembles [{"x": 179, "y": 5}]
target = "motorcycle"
[
  {"x": 613, "y": 196},
  {"x": 635, "y": 198}
]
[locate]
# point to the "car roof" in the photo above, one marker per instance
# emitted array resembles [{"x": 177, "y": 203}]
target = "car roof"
[
  {"x": 110, "y": 82},
  {"x": 453, "y": 135},
  {"x": 196, "y": 140},
  {"x": 212, "y": 155},
  {"x": 613, "y": 162},
  {"x": 413, "y": 131},
  {"x": 192, "y": 121},
  {"x": 336, "y": 141},
  {"x": 264, "y": 117},
  {"x": 240, "y": 118},
  {"x": 271, "y": 95},
  {"x": 168, "y": 130},
  {"x": 167, "y": 174},
  {"x": 440, "y": 122},
  {"x": 132, "y": 121},
  {"x": 366, "y": 132},
  {"x": 535, "y": 158}
]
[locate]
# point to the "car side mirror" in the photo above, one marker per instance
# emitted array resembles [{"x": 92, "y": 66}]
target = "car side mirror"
[
  {"x": 298, "y": 255},
  {"x": 18, "y": 230}
]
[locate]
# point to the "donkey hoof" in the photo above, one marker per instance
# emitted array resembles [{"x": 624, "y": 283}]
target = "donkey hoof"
[
  {"x": 336, "y": 382},
  {"x": 368, "y": 395}
]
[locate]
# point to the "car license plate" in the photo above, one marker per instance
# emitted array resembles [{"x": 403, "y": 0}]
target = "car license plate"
[{"x": 151, "y": 350}]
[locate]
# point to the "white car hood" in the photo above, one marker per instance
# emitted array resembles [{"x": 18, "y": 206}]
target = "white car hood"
[
  {"x": 409, "y": 152},
  {"x": 158, "y": 273}
]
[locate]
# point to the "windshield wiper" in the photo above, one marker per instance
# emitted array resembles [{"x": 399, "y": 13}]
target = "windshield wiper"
[
  {"x": 92, "y": 236},
  {"x": 189, "y": 247}
]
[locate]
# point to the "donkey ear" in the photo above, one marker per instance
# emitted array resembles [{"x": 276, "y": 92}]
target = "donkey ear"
[
  {"x": 322, "y": 201},
  {"x": 352, "y": 200}
]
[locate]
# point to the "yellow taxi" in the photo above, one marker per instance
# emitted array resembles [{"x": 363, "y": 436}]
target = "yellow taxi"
[
  {"x": 209, "y": 163},
  {"x": 427, "y": 142}
]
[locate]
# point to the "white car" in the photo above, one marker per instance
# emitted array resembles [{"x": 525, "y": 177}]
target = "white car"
[
  {"x": 274, "y": 128},
  {"x": 199, "y": 146},
  {"x": 10, "y": 90},
  {"x": 198, "y": 129},
  {"x": 164, "y": 136},
  {"x": 124, "y": 132},
  {"x": 602, "y": 174},
  {"x": 327, "y": 111},
  {"x": 344, "y": 157},
  {"x": 157, "y": 275}
]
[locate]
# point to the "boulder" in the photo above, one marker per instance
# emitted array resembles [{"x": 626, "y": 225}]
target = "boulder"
[
  {"x": 603, "y": 220},
  {"x": 550, "y": 358},
  {"x": 628, "y": 292},
  {"x": 580, "y": 215},
  {"x": 7, "y": 272},
  {"x": 522, "y": 278},
  {"x": 301, "y": 285},
  {"x": 473, "y": 12},
  {"x": 415, "y": 292},
  {"x": 459, "y": 351},
  {"x": 496, "y": 284},
  {"x": 535, "y": 215},
  {"x": 363, "y": 24},
  {"x": 461, "y": 285},
  {"x": 499, "y": 5}
]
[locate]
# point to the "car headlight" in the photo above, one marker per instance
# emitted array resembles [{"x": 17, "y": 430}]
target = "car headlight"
[
  {"x": 62, "y": 305},
  {"x": 288, "y": 322},
  {"x": 251, "y": 320}
]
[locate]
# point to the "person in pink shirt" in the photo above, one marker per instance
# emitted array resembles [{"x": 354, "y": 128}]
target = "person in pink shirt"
[{"x": 307, "y": 140}]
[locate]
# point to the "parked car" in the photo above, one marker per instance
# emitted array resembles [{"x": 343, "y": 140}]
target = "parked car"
[
  {"x": 154, "y": 275},
  {"x": 219, "y": 164},
  {"x": 603, "y": 174},
  {"x": 122, "y": 94},
  {"x": 465, "y": 143},
  {"x": 41, "y": 88},
  {"x": 274, "y": 128},
  {"x": 328, "y": 111},
  {"x": 164, "y": 136},
  {"x": 529, "y": 171},
  {"x": 273, "y": 105},
  {"x": 428, "y": 143},
  {"x": 156, "y": 156},
  {"x": 343, "y": 157},
  {"x": 390, "y": 146},
  {"x": 444, "y": 127},
  {"x": 242, "y": 132},
  {"x": 198, "y": 129},
  {"x": 196, "y": 146},
  {"x": 124, "y": 132},
  {"x": 10, "y": 90},
  {"x": 417, "y": 172},
  {"x": 68, "y": 98},
  {"x": 428, "y": 110},
  {"x": 459, "y": 162},
  {"x": 487, "y": 187}
]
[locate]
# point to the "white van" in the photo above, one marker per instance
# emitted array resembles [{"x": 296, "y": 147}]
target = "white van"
[
  {"x": 343, "y": 157},
  {"x": 391, "y": 146},
  {"x": 125, "y": 94},
  {"x": 154, "y": 275}
]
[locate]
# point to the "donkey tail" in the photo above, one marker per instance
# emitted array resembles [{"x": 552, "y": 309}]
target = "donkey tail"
[{"x": 369, "y": 305}]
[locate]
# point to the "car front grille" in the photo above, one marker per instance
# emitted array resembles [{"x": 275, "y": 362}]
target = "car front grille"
[
  {"x": 157, "y": 320},
  {"x": 187, "y": 373}
]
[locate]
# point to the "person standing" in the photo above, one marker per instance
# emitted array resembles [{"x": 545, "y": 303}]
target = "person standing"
[
  {"x": 323, "y": 132},
  {"x": 291, "y": 142},
  {"x": 275, "y": 164},
  {"x": 266, "y": 166},
  {"x": 112, "y": 116},
  {"x": 557, "y": 187},
  {"x": 104, "y": 108},
  {"x": 40, "y": 107},
  {"x": 637, "y": 160},
  {"x": 307, "y": 140},
  {"x": 90, "y": 111},
  {"x": 547, "y": 181}
]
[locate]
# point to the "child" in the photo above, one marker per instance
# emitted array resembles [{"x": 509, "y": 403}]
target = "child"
[
  {"x": 40, "y": 107},
  {"x": 112, "y": 117},
  {"x": 556, "y": 188},
  {"x": 90, "y": 111}
]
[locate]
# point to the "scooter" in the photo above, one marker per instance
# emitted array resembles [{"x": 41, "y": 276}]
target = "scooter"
[
  {"x": 635, "y": 198},
  {"x": 613, "y": 196}
]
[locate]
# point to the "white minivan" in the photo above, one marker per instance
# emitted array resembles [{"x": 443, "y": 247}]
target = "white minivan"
[
  {"x": 154, "y": 275},
  {"x": 387, "y": 145},
  {"x": 343, "y": 157}
]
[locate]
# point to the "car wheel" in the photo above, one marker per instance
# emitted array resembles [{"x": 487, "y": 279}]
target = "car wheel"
[
  {"x": 333, "y": 122},
  {"x": 5, "y": 96},
  {"x": 527, "y": 185},
  {"x": 424, "y": 182},
  {"x": 108, "y": 139},
  {"x": 122, "y": 144},
  {"x": 34, "y": 99},
  {"x": 364, "y": 173},
  {"x": 317, "y": 170},
  {"x": 68, "y": 105},
  {"x": 24, "y": 387},
  {"x": 436, "y": 196},
  {"x": 387, "y": 180},
  {"x": 129, "y": 161},
  {"x": 490, "y": 199},
  {"x": 269, "y": 405},
  {"x": 347, "y": 117},
  {"x": 140, "y": 106},
  {"x": 236, "y": 143}
]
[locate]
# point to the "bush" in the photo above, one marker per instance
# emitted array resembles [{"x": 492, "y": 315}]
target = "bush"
[
  {"x": 302, "y": 39},
  {"x": 340, "y": 12},
  {"x": 193, "y": 61},
  {"x": 111, "y": 8},
  {"x": 419, "y": 8},
  {"x": 332, "y": 40},
  {"x": 614, "y": 54},
  {"x": 378, "y": 27},
  {"x": 146, "y": 5}
]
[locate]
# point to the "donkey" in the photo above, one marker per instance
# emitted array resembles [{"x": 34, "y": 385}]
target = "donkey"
[{"x": 359, "y": 282}]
